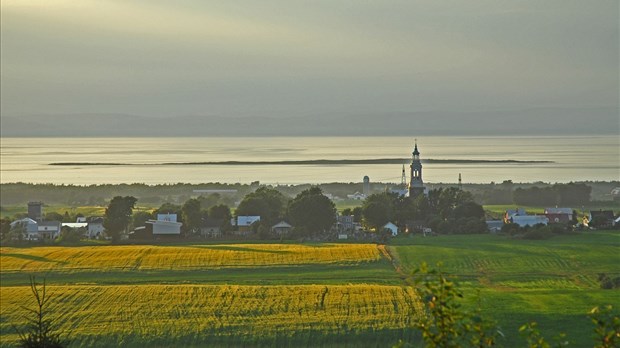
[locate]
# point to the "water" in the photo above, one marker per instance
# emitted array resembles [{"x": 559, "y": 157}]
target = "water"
[{"x": 574, "y": 159}]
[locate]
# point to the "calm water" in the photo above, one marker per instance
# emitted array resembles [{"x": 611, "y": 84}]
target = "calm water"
[{"x": 575, "y": 158}]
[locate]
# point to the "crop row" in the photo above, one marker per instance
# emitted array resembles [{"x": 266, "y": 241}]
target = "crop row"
[
  {"x": 199, "y": 314},
  {"x": 146, "y": 257}
]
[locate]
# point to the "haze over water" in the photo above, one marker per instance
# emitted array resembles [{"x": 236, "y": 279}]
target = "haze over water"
[{"x": 574, "y": 158}]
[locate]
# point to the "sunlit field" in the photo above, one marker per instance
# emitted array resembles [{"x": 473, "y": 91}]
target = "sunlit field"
[
  {"x": 201, "y": 315},
  {"x": 148, "y": 257},
  {"x": 306, "y": 294}
]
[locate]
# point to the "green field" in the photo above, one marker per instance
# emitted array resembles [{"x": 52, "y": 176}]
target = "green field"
[
  {"x": 305, "y": 294},
  {"x": 553, "y": 282}
]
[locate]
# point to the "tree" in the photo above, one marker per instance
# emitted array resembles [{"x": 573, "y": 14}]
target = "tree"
[
  {"x": 378, "y": 209},
  {"x": 140, "y": 218},
  {"x": 5, "y": 228},
  {"x": 311, "y": 211},
  {"x": 265, "y": 202},
  {"x": 54, "y": 216},
  {"x": 41, "y": 329},
  {"x": 221, "y": 212},
  {"x": 70, "y": 235},
  {"x": 192, "y": 217},
  {"x": 118, "y": 215}
]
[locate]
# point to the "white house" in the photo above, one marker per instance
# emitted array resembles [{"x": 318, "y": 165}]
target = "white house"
[
  {"x": 49, "y": 229},
  {"x": 392, "y": 228},
  {"x": 281, "y": 228},
  {"x": 357, "y": 196},
  {"x": 166, "y": 225},
  {"x": 529, "y": 220},
  {"x": 95, "y": 227},
  {"x": 31, "y": 228}
]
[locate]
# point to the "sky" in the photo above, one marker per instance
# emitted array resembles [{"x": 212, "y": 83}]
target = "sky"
[{"x": 466, "y": 63}]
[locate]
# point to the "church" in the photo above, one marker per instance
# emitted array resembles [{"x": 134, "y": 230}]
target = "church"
[{"x": 416, "y": 185}]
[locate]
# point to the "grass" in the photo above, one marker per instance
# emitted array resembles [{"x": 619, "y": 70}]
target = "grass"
[{"x": 553, "y": 282}]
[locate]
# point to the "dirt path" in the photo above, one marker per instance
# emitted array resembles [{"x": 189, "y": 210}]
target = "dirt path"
[{"x": 391, "y": 255}]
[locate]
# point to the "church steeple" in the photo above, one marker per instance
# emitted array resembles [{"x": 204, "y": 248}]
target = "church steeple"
[{"x": 416, "y": 185}]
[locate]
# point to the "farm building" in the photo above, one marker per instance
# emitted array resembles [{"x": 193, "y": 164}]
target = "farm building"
[
  {"x": 392, "y": 228},
  {"x": 244, "y": 223},
  {"x": 559, "y": 215},
  {"x": 529, "y": 220},
  {"x": 166, "y": 225},
  {"x": 282, "y": 228}
]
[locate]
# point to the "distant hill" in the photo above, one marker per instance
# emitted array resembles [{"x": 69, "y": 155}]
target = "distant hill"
[{"x": 534, "y": 121}]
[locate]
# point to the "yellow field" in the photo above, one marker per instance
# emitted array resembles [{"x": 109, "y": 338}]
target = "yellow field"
[
  {"x": 184, "y": 315},
  {"x": 148, "y": 257}
]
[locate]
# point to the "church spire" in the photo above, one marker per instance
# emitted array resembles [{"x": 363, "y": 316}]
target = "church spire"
[{"x": 416, "y": 185}]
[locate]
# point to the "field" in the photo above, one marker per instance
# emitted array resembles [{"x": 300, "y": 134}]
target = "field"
[
  {"x": 305, "y": 294},
  {"x": 225, "y": 294},
  {"x": 553, "y": 282},
  {"x": 187, "y": 315}
]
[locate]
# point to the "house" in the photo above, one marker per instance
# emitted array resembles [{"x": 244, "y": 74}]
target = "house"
[
  {"x": 495, "y": 225},
  {"x": 601, "y": 218},
  {"x": 529, "y": 220},
  {"x": 211, "y": 228},
  {"x": 75, "y": 225},
  {"x": 345, "y": 223},
  {"x": 282, "y": 228},
  {"x": 30, "y": 228},
  {"x": 559, "y": 215},
  {"x": 357, "y": 196},
  {"x": 401, "y": 192},
  {"x": 49, "y": 230},
  {"x": 513, "y": 212},
  {"x": 244, "y": 223},
  {"x": 95, "y": 227},
  {"x": 141, "y": 233},
  {"x": 392, "y": 228},
  {"x": 165, "y": 225}
]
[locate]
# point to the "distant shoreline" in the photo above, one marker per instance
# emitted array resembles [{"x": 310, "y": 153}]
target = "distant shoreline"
[{"x": 303, "y": 162}]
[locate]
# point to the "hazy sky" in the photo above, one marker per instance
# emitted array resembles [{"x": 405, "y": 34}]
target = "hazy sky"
[{"x": 283, "y": 58}]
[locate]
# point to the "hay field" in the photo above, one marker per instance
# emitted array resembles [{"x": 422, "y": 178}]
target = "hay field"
[{"x": 151, "y": 257}]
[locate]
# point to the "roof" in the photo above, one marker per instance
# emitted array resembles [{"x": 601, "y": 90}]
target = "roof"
[
  {"x": 75, "y": 224},
  {"x": 568, "y": 211},
  {"x": 164, "y": 223},
  {"x": 27, "y": 221},
  {"x": 518, "y": 211},
  {"x": 282, "y": 224},
  {"x": 390, "y": 225},
  {"x": 247, "y": 220},
  {"x": 49, "y": 223},
  {"x": 607, "y": 214}
]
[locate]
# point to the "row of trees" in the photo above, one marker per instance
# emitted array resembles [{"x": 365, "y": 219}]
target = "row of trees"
[
  {"x": 310, "y": 212},
  {"x": 571, "y": 194},
  {"x": 448, "y": 210}
]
